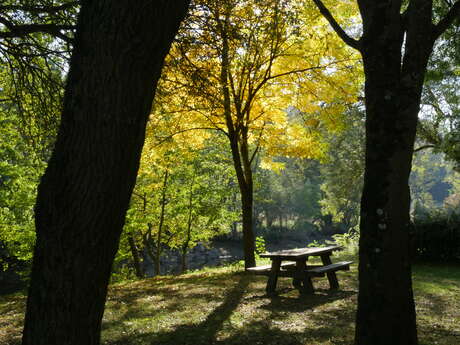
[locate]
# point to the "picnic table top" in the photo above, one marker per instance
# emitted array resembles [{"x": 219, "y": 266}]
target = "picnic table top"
[{"x": 299, "y": 253}]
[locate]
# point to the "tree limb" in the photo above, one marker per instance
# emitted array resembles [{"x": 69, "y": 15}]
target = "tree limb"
[
  {"x": 162, "y": 140},
  {"x": 448, "y": 19},
  {"x": 336, "y": 26},
  {"x": 428, "y": 146},
  {"x": 16, "y": 31},
  {"x": 39, "y": 9}
]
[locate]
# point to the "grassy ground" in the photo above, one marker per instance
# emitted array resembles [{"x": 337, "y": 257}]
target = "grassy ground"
[{"x": 225, "y": 306}]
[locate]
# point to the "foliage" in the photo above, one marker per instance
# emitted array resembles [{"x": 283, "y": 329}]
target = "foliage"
[
  {"x": 432, "y": 179},
  {"x": 343, "y": 172},
  {"x": 439, "y": 126},
  {"x": 244, "y": 68},
  {"x": 349, "y": 241},
  {"x": 183, "y": 196},
  {"x": 35, "y": 44},
  {"x": 317, "y": 243},
  {"x": 437, "y": 236},
  {"x": 260, "y": 245},
  {"x": 20, "y": 168},
  {"x": 36, "y": 39},
  {"x": 270, "y": 67},
  {"x": 288, "y": 198}
]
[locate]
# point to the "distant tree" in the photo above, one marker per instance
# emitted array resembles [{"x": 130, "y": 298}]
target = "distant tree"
[
  {"x": 396, "y": 42},
  {"x": 238, "y": 66},
  {"x": 182, "y": 196},
  {"x": 343, "y": 172},
  {"x": 35, "y": 43},
  {"x": 439, "y": 127},
  {"x": 288, "y": 197},
  {"x": 20, "y": 169},
  {"x": 83, "y": 196},
  {"x": 36, "y": 39},
  {"x": 432, "y": 179}
]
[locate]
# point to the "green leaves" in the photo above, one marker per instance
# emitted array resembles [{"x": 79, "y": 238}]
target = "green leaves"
[
  {"x": 20, "y": 168},
  {"x": 199, "y": 197}
]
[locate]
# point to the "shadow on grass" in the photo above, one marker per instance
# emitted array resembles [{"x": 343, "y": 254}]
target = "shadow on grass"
[
  {"x": 203, "y": 333},
  {"x": 217, "y": 328},
  {"x": 303, "y": 303}
]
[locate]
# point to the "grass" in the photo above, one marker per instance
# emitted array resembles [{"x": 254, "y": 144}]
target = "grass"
[{"x": 225, "y": 306}]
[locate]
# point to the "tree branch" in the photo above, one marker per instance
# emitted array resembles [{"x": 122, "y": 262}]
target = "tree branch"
[
  {"x": 336, "y": 26},
  {"x": 428, "y": 146},
  {"x": 161, "y": 140},
  {"x": 39, "y": 9},
  {"x": 16, "y": 31},
  {"x": 448, "y": 19}
]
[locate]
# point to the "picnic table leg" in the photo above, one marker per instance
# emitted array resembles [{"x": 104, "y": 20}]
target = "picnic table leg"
[
  {"x": 331, "y": 276},
  {"x": 302, "y": 281},
  {"x": 273, "y": 277}
]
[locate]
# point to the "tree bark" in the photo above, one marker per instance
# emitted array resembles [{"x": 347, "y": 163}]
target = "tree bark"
[
  {"x": 237, "y": 135},
  {"x": 386, "y": 310},
  {"x": 160, "y": 224},
  {"x": 395, "y": 46},
  {"x": 136, "y": 258},
  {"x": 248, "y": 231},
  {"x": 188, "y": 235},
  {"x": 83, "y": 196}
]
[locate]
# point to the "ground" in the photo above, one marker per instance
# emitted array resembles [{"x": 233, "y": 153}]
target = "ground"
[{"x": 227, "y": 306}]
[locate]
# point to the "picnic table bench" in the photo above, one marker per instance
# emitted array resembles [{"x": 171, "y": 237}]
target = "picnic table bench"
[{"x": 292, "y": 263}]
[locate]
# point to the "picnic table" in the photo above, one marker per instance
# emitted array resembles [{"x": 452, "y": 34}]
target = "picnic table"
[{"x": 293, "y": 263}]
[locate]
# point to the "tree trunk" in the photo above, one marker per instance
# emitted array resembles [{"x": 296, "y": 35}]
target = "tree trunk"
[
  {"x": 248, "y": 231},
  {"x": 395, "y": 45},
  {"x": 149, "y": 245},
  {"x": 136, "y": 258},
  {"x": 160, "y": 224},
  {"x": 188, "y": 235},
  {"x": 386, "y": 310},
  {"x": 237, "y": 135},
  {"x": 83, "y": 196}
]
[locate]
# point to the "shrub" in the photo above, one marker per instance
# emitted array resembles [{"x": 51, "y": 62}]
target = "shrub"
[{"x": 437, "y": 236}]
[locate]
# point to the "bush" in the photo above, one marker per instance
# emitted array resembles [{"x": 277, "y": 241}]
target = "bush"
[
  {"x": 437, "y": 236},
  {"x": 349, "y": 241}
]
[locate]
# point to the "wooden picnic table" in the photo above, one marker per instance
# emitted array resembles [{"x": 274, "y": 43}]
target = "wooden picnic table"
[{"x": 293, "y": 263}]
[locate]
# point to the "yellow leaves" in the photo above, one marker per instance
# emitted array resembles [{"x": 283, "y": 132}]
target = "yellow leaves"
[
  {"x": 293, "y": 61},
  {"x": 312, "y": 123},
  {"x": 292, "y": 139},
  {"x": 268, "y": 164}
]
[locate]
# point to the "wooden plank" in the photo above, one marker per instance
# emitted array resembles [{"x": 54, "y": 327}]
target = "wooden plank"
[
  {"x": 265, "y": 269},
  {"x": 331, "y": 276},
  {"x": 301, "y": 276},
  {"x": 299, "y": 253},
  {"x": 273, "y": 277},
  {"x": 338, "y": 266}
]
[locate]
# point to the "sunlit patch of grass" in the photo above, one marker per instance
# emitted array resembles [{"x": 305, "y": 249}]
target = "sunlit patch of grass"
[
  {"x": 437, "y": 291},
  {"x": 226, "y": 306},
  {"x": 11, "y": 318}
]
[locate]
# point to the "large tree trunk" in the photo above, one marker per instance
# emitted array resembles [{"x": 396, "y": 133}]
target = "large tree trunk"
[
  {"x": 386, "y": 310},
  {"x": 395, "y": 45},
  {"x": 84, "y": 194}
]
